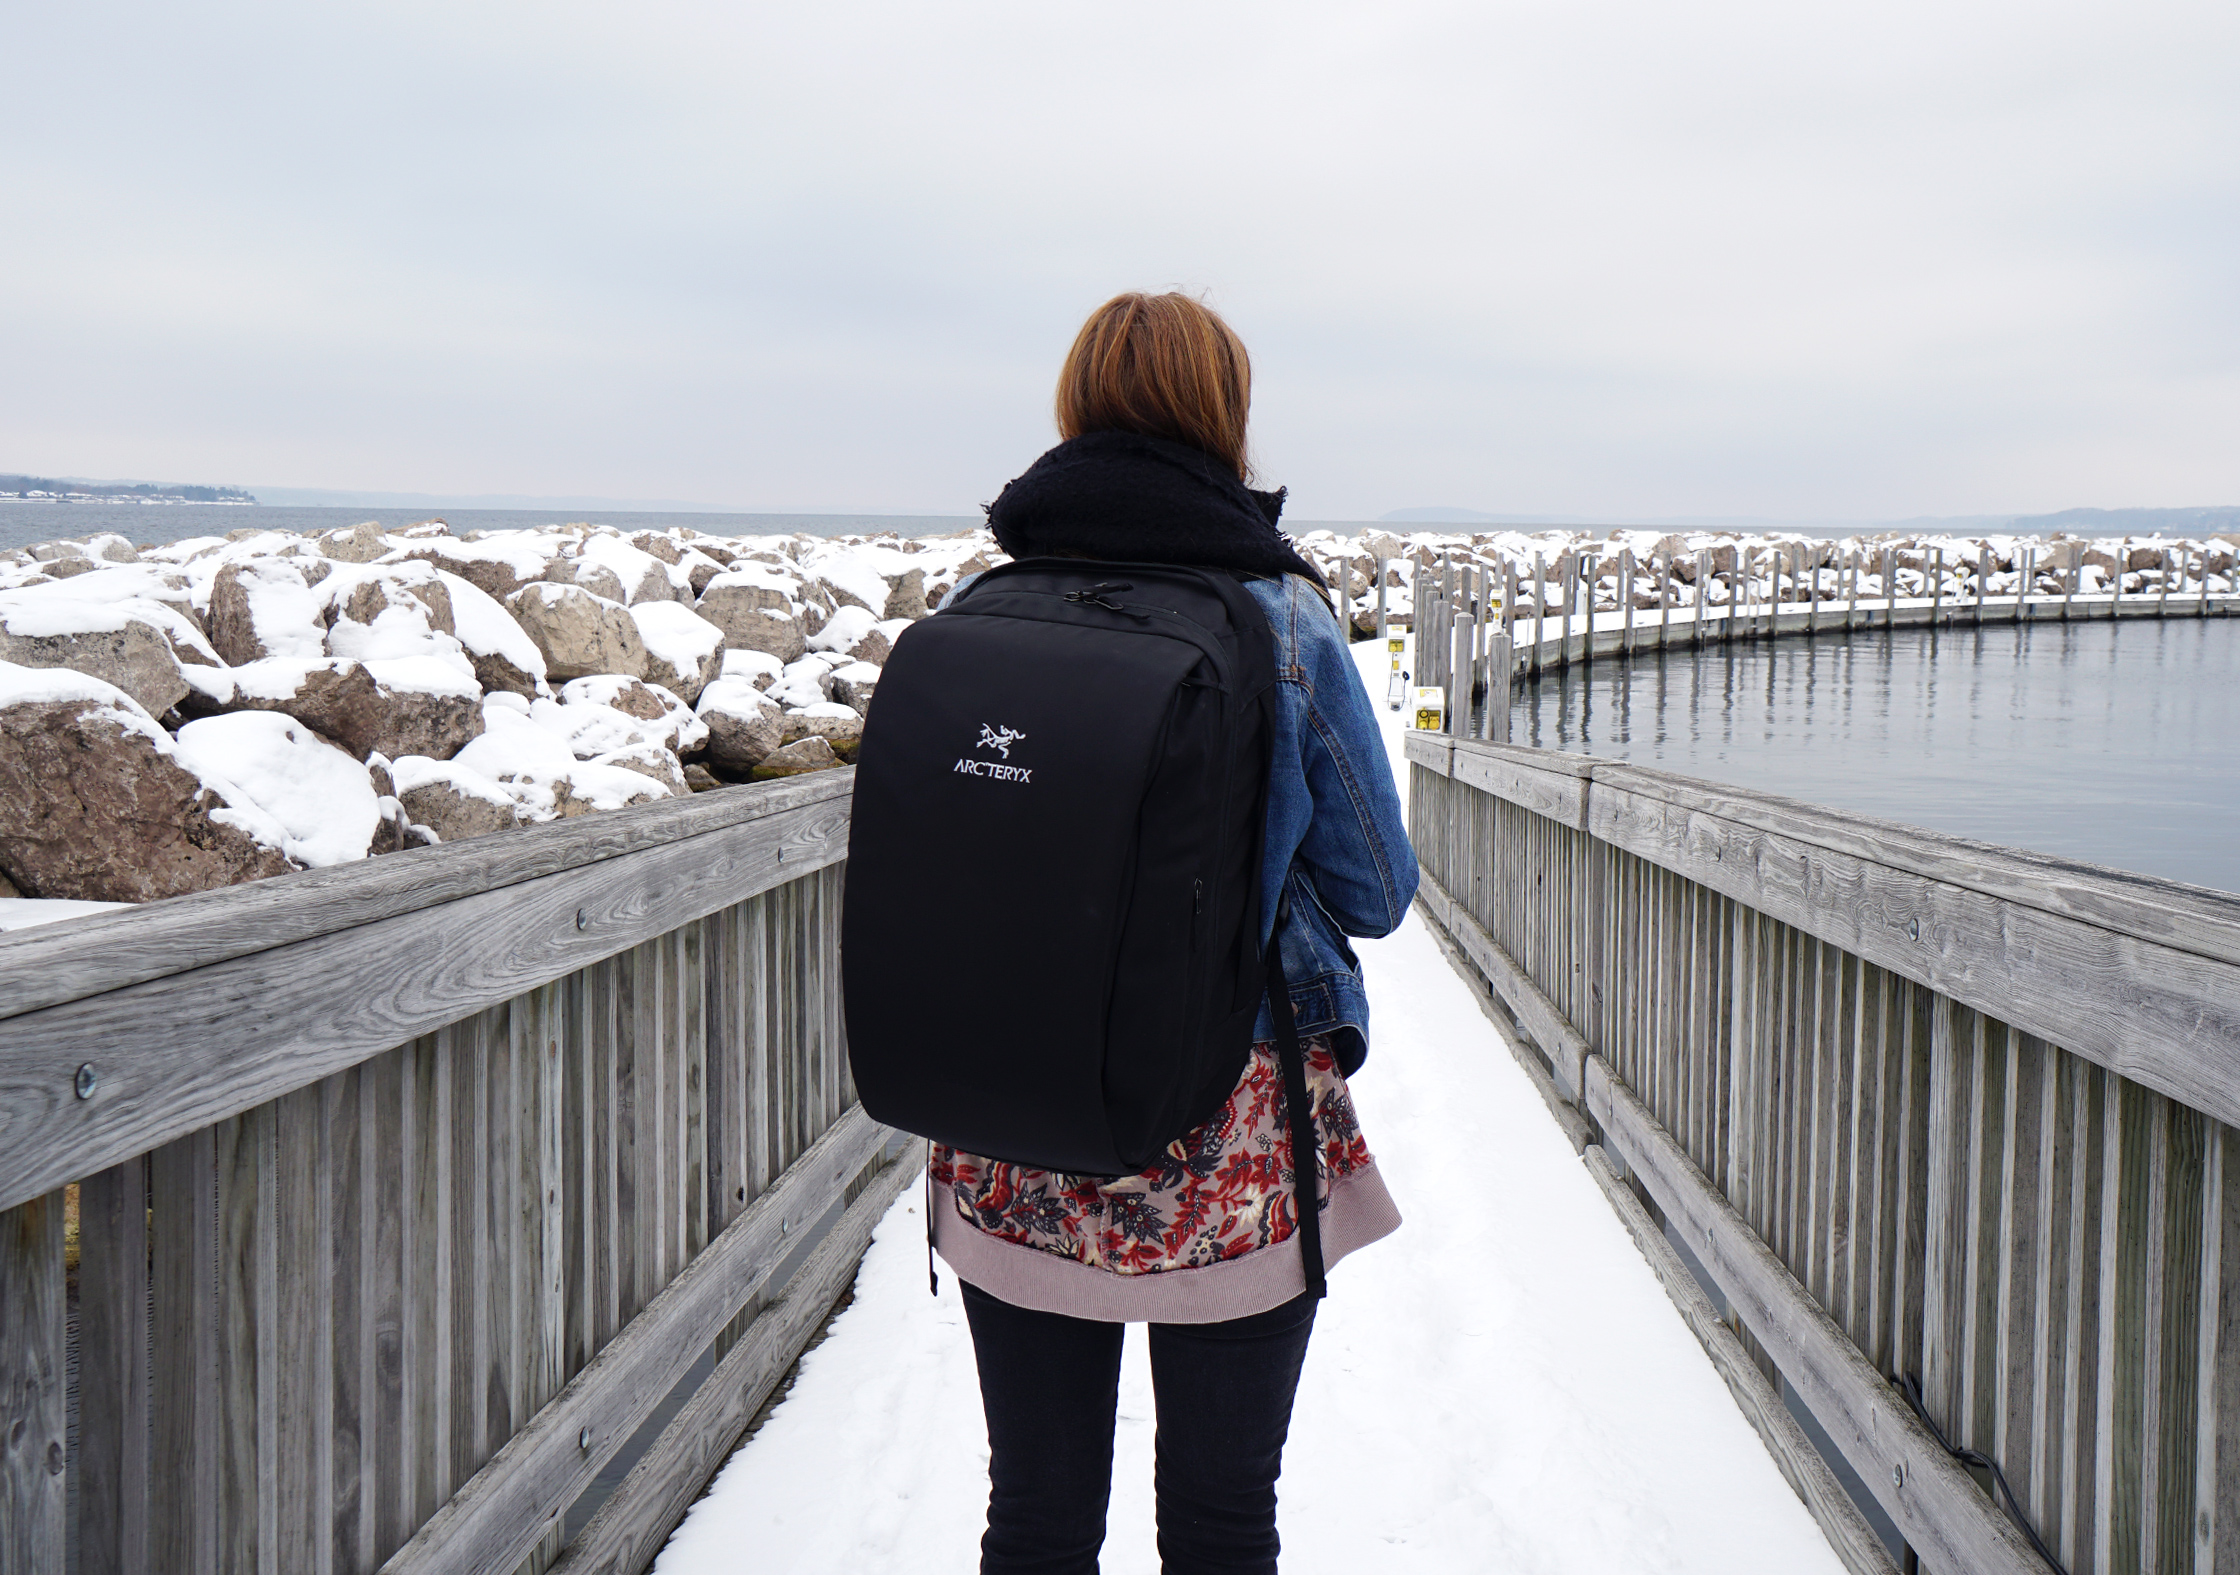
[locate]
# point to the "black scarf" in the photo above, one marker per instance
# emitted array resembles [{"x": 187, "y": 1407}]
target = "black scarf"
[{"x": 1119, "y": 495}]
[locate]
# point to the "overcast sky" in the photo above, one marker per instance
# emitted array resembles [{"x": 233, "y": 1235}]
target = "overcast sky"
[{"x": 1601, "y": 259}]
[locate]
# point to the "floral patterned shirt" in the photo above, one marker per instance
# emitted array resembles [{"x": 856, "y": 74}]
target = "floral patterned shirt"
[{"x": 1221, "y": 1190}]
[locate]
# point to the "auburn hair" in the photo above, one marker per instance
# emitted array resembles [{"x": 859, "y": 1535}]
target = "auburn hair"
[{"x": 1164, "y": 366}]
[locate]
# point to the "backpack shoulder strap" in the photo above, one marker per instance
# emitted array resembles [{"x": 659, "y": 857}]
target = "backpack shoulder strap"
[{"x": 1299, "y": 1100}]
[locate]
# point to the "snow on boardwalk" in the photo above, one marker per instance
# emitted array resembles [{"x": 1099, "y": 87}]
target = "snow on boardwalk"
[{"x": 1500, "y": 1386}]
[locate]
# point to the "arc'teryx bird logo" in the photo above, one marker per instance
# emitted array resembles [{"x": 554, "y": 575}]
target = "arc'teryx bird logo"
[{"x": 999, "y": 739}]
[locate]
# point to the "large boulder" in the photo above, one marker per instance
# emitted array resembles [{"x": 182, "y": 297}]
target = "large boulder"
[
  {"x": 906, "y": 595},
  {"x": 684, "y": 651},
  {"x": 503, "y": 655},
  {"x": 579, "y": 633},
  {"x": 838, "y": 725},
  {"x": 758, "y": 667},
  {"x": 453, "y": 801},
  {"x": 124, "y": 643},
  {"x": 361, "y": 543},
  {"x": 758, "y": 609},
  {"x": 323, "y": 799},
  {"x": 743, "y": 724},
  {"x": 796, "y": 759},
  {"x": 403, "y": 706},
  {"x": 96, "y": 804},
  {"x": 265, "y": 607},
  {"x": 650, "y": 708},
  {"x": 853, "y": 686}
]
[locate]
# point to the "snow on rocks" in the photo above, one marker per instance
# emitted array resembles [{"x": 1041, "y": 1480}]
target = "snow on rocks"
[
  {"x": 744, "y": 725},
  {"x": 96, "y": 803},
  {"x": 321, "y": 799},
  {"x": 126, "y": 642},
  {"x": 758, "y": 608},
  {"x": 683, "y": 650},
  {"x": 578, "y": 632},
  {"x": 400, "y": 706},
  {"x": 462, "y": 685}
]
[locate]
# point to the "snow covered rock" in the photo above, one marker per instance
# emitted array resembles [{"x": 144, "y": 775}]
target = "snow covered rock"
[
  {"x": 744, "y": 725},
  {"x": 853, "y": 684},
  {"x": 638, "y": 574},
  {"x": 803, "y": 683},
  {"x": 759, "y": 667},
  {"x": 503, "y": 655},
  {"x": 322, "y": 799},
  {"x": 838, "y": 725},
  {"x": 124, "y": 643},
  {"x": 96, "y": 803},
  {"x": 757, "y": 608},
  {"x": 402, "y": 706},
  {"x": 452, "y": 801},
  {"x": 361, "y": 543},
  {"x": 535, "y": 761},
  {"x": 264, "y": 607},
  {"x": 797, "y": 759},
  {"x": 652, "y": 708},
  {"x": 906, "y": 595},
  {"x": 498, "y": 564},
  {"x": 853, "y": 631},
  {"x": 684, "y": 651},
  {"x": 579, "y": 633}
]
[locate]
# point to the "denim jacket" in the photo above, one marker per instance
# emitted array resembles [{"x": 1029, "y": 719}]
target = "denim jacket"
[{"x": 1334, "y": 828}]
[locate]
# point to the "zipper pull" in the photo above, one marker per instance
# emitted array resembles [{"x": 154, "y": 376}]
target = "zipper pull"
[
  {"x": 1093, "y": 595},
  {"x": 1197, "y": 898}
]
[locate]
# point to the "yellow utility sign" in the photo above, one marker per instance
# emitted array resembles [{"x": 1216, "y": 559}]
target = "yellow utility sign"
[{"x": 1431, "y": 710}]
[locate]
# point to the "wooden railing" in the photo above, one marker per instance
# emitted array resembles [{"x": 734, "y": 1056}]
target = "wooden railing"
[
  {"x": 1474, "y": 639},
  {"x": 405, "y": 1191},
  {"x": 1918, "y": 1107}
]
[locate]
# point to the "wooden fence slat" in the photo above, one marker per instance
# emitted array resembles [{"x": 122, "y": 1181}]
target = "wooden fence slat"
[
  {"x": 33, "y": 1488},
  {"x": 503, "y": 1511},
  {"x": 112, "y": 1457},
  {"x": 183, "y": 1243},
  {"x": 1936, "y": 1505},
  {"x": 626, "y": 1533}
]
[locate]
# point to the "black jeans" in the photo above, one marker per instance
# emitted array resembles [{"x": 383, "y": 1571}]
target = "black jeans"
[{"x": 1051, "y": 1386}]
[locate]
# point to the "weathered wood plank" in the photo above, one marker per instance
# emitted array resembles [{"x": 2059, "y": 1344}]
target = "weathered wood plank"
[
  {"x": 33, "y": 1489},
  {"x": 1847, "y": 1531},
  {"x": 629, "y": 1529},
  {"x": 183, "y": 1230},
  {"x": 74, "y": 958},
  {"x": 1936, "y": 1505},
  {"x": 112, "y": 1458},
  {"x": 503, "y": 1511},
  {"x": 184, "y": 1051},
  {"x": 1539, "y": 1016}
]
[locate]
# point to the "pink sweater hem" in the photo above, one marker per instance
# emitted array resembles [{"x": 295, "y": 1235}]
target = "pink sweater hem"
[{"x": 1357, "y": 1211}]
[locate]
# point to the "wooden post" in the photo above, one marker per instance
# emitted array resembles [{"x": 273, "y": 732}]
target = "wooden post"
[
  {"x": 1459, "y": 670},
  {"x": 2123, "y": 560},
  {"x": 1812, "y": 608},
  {"x": 2026, "y": 581},
  {"x": 2201, "y": 607},
  {"x": 1890, "y": 586},
  {"x": 1508, "y": 599},
  {"x": 1570, "y": 593},
  {"x": 32, "y": 1361},
  {"x": 1498, "y": 665},
  {"x": 1539, "y": 608},
  {"x": 2162, "y": 596},
  {"x": 1851, "y": 567},
  {"x": 1625, "y": 599},
  {"x": 1983, "y": 576},
  {"x": 2069, "y": 589},
  {"x": 1384, "y": 617},
  {"x": 1936, "y": 592},
  {"x": 1664, "y": 602}
]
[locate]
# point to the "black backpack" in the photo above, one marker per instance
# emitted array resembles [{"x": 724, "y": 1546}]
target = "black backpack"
[{"x": 1053, "y": 869}]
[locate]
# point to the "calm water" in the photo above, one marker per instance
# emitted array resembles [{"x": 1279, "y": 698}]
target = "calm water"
[
  {"x": 2116, "y": 744},
  {"x": 150, "y": 524}
]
